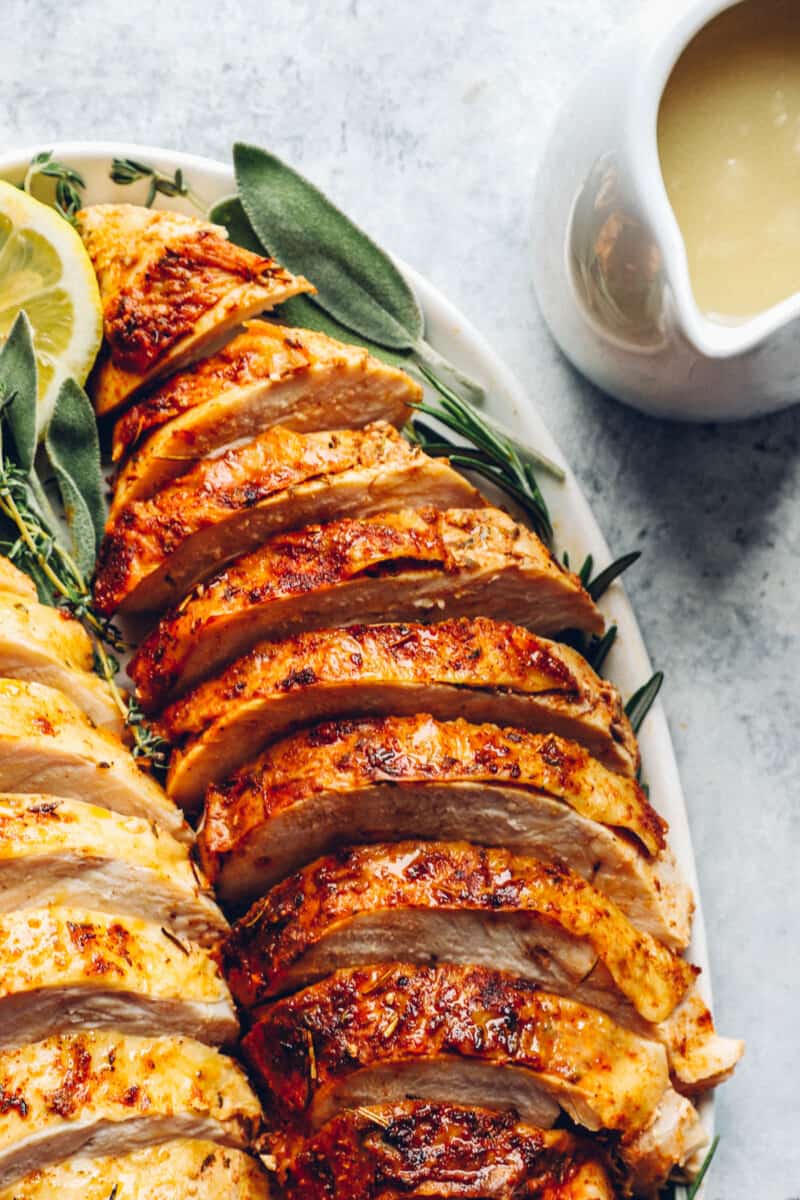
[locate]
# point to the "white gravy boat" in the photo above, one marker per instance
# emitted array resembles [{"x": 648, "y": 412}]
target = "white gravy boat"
[{"x": 610, "y": 267}]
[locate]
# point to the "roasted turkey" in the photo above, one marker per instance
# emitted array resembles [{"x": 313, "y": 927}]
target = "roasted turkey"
[
  {"x": 47, "y": 745},
  {"x": 172, "y": 289},
  {"x": 63, "y": 969},
  {"x": 103, "y": 1093},
  {"x": 69, "y": 853},
  {"x": 377, "y": 779},
  {"x": 480, "y": 669},
  {"x": 411, "y": 565},
  {"x": 42, "y": 644},
  {"x": 156, "y": 550},
  {"x": 181, "y": 1169},
  {"x": 469, "y": 1035},
  {"x": 440, "y": 901},
  {"x": 414, "y": 1149},
  {"x": 267, "y": 375}
]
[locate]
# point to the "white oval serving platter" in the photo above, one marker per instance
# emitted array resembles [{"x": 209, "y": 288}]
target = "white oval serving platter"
[{"x": 576, "y": 529}]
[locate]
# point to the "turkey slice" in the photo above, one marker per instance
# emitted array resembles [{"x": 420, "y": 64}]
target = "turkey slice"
[
  {"x": 268, "y": 375},
  {"x": 43, "y": 644},
  {"x": 466, "y": 1035},
  {"x": 449, "y": 901},
  {"x": 156, "y": 550},
  {"x": 66, "y": 852},
  {"x": 172, "y": 289},
  {"x": 181, "y": 1169},
  {"x": 47, "y": 745},
  {"x": 480, "y": 669},
  {"x": 107, "y": 1094},
  {"x": 413, "y": 777},
  {"x": 65, "y": 968},
  {"x": 443, "y": 1151},
  {"x": 416, "y": 565}
]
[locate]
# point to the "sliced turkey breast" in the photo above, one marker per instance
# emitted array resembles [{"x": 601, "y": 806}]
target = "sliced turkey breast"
[
  {"x": 396, "y": 778},
  {"x": 181, "y": 1169},
  {"x": 66, "y": 852},
  {"x": 427, "y": 902},
  {"x": 423, "y": 901},
  {"x": 106, "y": 1094},
  {"x": 442, "y": 1152},
  {"x": 16, "y": 582},
  {"x": 156, "y": 550},
  {"x": 479, "y": 669},
  {"x": 47, "y": 745},
  {"x": 47, "y": 645},
  {"x": 418, "y": 565},
  {"x": 268, "y": 375},
  {"x": 172, "y": 288},
  {"x": 465, "y": 1035},
  {"x": 66, "y": 968}
]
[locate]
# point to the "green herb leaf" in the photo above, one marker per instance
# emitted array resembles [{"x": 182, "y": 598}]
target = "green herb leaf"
[
  {"x": 642, "y": 700},
  {"x": 599, "y": 649},
  {"x": 299, "y": 312},
  {"x": 74, "y": 451},
  {"x": 491, "y": 453},
  {"x": 598, "y": 586},
  {"x": 357, "y": 283},
  {"x": 18, "y": 389},
  {"x": 701, "y": 1174},
  {"x": 68, "y": 183},
  {"x": 125, "y": 171}
]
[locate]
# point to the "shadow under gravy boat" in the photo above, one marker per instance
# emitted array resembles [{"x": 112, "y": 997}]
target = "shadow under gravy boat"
[{"x": 610, "y": 265}]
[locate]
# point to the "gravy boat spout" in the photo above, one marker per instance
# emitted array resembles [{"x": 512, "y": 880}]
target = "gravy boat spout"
[{"x": 610, "y": 264}]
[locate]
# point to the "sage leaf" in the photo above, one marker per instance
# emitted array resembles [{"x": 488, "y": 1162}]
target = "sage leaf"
[
  {"x": 300, "y": 312},
  {"x": 19, "y": 390},
  {"x": 73, "y": 448},
  {"x": 357, "y": 283}
]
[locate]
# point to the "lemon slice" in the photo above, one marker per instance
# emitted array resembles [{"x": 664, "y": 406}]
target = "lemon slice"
[{"x": 45, "y": 270}]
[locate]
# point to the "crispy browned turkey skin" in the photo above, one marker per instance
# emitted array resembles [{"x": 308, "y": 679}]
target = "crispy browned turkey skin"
[
  {"x": 418, "y": 565},
  {"x": 442, "y": 1152},
  {"x": 156, "y": 550},
  {"x": 421, "y": 901},
  {"x": 468, "y": 1035},
  {"x": 268, "y": 375},
  {"x": 481, "y": 669},
  {"x": 172, "y": 287}
]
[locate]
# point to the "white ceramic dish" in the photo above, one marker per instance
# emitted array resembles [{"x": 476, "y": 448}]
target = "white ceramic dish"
[{"x": 575, "y": 527}]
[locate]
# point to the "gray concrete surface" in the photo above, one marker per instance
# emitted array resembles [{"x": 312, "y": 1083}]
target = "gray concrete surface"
[{"x": 425, "y": 122}]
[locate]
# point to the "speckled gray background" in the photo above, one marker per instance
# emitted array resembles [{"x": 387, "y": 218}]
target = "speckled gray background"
[{"x": 425, "y": 122}]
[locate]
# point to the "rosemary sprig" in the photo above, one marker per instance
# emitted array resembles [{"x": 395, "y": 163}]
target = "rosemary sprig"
[
  {"x": 127, "y": 170},
  {"x": 69, "y": 183},
  {"x": 679, "y": 1191},
  {"x": 489, "y": 453},
  {"x": 643, "y": 700}
]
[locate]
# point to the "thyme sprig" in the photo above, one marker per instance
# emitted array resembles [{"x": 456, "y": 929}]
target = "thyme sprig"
[
  {"x": 69, "y": 183},
  {"x": 128, "y": 170},
  {"x": 37, "y": 551},
  {"x": 31, "y": 536}
]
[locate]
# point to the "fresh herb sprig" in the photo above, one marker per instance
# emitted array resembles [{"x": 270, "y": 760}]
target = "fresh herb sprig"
[
  {"x": 489, "y": 453},
  {"x": 69, "y": 183},
  {"x": 30, "y": 535},
  {"x": 128, "y": 170},
  {"x": 643, "y": 700},
  {"x": 680, "y": 1191}
]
